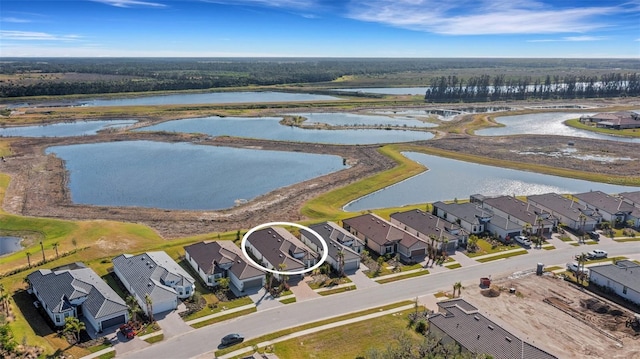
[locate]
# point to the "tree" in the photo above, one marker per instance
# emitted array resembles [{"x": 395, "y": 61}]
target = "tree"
[
  {"x": 42, "y": 247},
  {"x": 340, "y": 256},
  {"x": 55, "y": 246},
  {"x": 223, "y": 284},
  {"x": 431, "y": 249},
  {"x": 149, "y": 302},
  {"x": 472, "y": 243},
  {"x": 284, "y": 278},
  {"x": 134, "y": 307},
  {"x": 526, "y": 229},
  {"x": 583, "y": 220},
  {"x": 457, "y": 286},
  {"x": 28, "y": 258},
  {"x": 4, "y": 300},
  {"x": 75, "y": 326},
  {"x": 582, "y": 259}
]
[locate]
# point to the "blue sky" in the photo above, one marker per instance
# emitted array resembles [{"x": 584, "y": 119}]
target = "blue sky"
[{"x": 320, "y": 28}]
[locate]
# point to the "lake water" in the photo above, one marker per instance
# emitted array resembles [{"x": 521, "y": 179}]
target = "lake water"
[
  {"x": 448, "y": 179},
  {"x": 269, "y": 128},
  {"x": 9, "y": 245},
  {"x": 182, "y": 175},
  {"x": 64, "y": 129},
  {"x": 209, "y": 97},
  {"x": 389, "y": 90},
  {"x": 350, "y": 119},
  {"x": 550, "y": 123}
]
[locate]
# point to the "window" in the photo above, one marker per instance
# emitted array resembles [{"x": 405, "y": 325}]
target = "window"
[
  {"x": 624, "y": 290},
  {"x": 58, "y": 318}
]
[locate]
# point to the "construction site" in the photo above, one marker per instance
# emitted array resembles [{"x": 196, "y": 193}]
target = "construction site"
[{"x": 558, "y": 316}]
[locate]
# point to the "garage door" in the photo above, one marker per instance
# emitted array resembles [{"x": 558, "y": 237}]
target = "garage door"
[
  {"x": 417, "y": 252},
  {"x": 351, "y": 265},
  {"x": 253, "y": 283},
  {"x": 113, "y": 322}
]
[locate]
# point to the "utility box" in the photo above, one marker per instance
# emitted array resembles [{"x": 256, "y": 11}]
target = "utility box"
[{"x": 539, "y": 269}]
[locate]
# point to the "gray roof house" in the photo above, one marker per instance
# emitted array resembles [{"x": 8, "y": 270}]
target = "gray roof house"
[
  {"x": 633, "y": 198},
  {"x": 612, "y": 209},
  {"x": 569, "y": 212},
  {"x": 470, "y": 216},
  {"x": 623, "y": 278},
  {"x": 275, "y": 247},
  {"x": 334, "y": 236},
  {"x": 459, "y": 321},
  {"x": 424, "y": 225},
  {"x": 223, "y": 259},
  {"x": 154, "y": 274},
  {"x": 520, "y": 212},
  {"x": 74, "y": 289}
]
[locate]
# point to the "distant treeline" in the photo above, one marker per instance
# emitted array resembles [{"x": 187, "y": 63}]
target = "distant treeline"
[
  {"x": 498, "y": 88},
  {"x": 31, "y": 76}
]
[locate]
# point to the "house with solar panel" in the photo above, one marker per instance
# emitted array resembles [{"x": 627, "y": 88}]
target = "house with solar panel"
[
  {"x": 73, "y": 290},
  {"x": 156, "y": 275}
]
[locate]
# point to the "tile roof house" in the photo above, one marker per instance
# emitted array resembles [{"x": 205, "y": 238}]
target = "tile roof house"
[
  {"x": 73, "y": 290},
  {"x": 459, "y": 321},
  {"x": 154, "y": 274},
  {"x": 330, "y": 232},
  {"x": 568, "y": 212},
  {"x": 383, "y": 237},
  {"x": 623, "y": 278},
  {"x": 423, "y": 225},
  {"x": 634, "y": 199},
  {"x": 615, "y": 120},
  {"x": 612, "y": 209},
  {"x": 471, "y": 217},
  {"x": 275, "y": 247},
  {"x": 223, "y": 259},
  {"x": 520, "y": 212}
]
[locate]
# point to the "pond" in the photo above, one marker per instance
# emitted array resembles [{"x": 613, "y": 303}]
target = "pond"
[
  {"x": 350, "y": 119},
  {"x": 182, "y": 175},
  {"x": 64, "y": 129},
  {"x": 209, "y": 97},
  {"x": 449, "y": 179},
  {"x": 550, "y": 123},
  {"x": 269, "y": 128},
  {"x": 389, "y": 90},
  {"x": 9, "y": 245}
]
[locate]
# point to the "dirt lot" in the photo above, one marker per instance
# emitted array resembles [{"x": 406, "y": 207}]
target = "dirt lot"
[{"x": 550, "y": 313}]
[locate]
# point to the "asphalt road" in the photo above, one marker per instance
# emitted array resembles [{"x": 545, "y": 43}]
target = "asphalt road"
[{"x": 207, "y": 339}]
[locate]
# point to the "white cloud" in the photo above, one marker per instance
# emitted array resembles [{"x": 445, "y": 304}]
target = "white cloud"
[
  {"x": 479, "y": 18},
  {"x": 14, "y": 20},
  {"x": 285, "y": 4},
  {"x": 130, "y": 3},
  {"x": 572, "y": 38},
  {"x": 35, "y": 36}
]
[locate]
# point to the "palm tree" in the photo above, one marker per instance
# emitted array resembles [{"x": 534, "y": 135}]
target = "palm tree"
[
  {"x": 149, "y": 302},
  {"x": 134, "y": 307},
  {"x": 526, "y": 229},
  {"x": 75, "y": 326},
  {"x": 582, "y": 259},
  {"x": 583, "y": 221},
  {"x": 457, "y": 286},
  {"x": 432, "y": 249},
  {"x": 28, "y": 258},
  {"x": 44, "y": 260},
  {"x": 284, "y": 278},
  {"x": 340, "y": 255},
  {"x": 4, "y": 300},
  {"x": 55, "y": 246},
  {"x": 539, "y": 222}
]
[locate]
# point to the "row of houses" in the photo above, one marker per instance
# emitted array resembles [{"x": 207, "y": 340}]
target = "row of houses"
[{"x": 614, "y": 120}]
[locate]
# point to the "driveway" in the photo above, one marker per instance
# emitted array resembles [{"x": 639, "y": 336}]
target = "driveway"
[
  {"x": 302, "y": 290},
  {"x": 172, "y": 324},
  {"x": 263, "y": 300},
  {"x": 360, "y": 279}
]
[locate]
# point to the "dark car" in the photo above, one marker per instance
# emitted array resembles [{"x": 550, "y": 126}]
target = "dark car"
[
  {"x": 594, "y": 235},
  {"x": 231, "y": 339}
]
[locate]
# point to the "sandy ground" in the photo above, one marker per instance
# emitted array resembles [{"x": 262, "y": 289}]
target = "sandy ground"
[{"x": 555, "y": 320}]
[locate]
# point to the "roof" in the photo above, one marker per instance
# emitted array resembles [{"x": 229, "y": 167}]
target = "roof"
[
  {"x": 375, "y": 228},
  {"x": 463, "y": 323},
  {"x": 560, "y": 205},
  {"x": 614, "y": 116},
  {"x": 328, "y": 231},
  {"x": 514, "y": 207},
  {"x": 277, "y": 246},
  {"x": 58, "y": 287},
  {"x": 468, "y": 212},
  {"x": 625, "y": 272},
  {"x": 211, "y": 255},
  {"x": 148, "y": 272},
  {"x": 632, "y": 197},
  {"x": 426, "y": 223},
  {"x": 605, "y": 202}
]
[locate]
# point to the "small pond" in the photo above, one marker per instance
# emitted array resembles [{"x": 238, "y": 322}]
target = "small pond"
[
  {"x": 182, "y": 175},
  {"x": 449, "y": 179},
  {"x": 269, "y": 128},
  {"x": 64, "y": 129},
  {"x": 350, "y": 119},
  {"x": 550, "y": 123},
  {"x": 9, "y": 245}
]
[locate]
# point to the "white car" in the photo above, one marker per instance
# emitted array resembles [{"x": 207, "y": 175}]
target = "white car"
[
  {"x": 573, "y": 267},
  {"x": 597, "y": 253},
  {"x": 524, "y": 241}
]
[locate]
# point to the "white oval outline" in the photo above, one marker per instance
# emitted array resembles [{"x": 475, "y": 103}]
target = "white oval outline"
[{"x": 325, "y": 248}]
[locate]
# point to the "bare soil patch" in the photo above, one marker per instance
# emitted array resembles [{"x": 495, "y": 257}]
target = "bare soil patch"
[{"x": 559, "y": 317}]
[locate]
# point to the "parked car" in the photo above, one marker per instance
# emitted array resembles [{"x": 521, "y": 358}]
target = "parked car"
[
  {"x": 573, "y": 267},
  {"x": 128, "y": 331},
  {"x": 231, "y": 339},
  {"x": 597, "y": 253},
  {"x": 524, "y": 241},
  {"x": 594, "y": 235}
]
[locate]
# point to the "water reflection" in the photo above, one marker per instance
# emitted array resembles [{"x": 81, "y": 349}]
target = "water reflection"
[{"x": 64, "y": 129}]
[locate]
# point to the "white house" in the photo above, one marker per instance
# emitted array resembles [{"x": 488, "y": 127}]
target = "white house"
[
  {"x": 330, "y": 231},
  {"x": 623, "y": 278},
  {"x": 156, "y": 275},
  {"x": 223, "y": 259},
  {"x": 74, "y": 289},
  {"x": 276, "y": 248}
]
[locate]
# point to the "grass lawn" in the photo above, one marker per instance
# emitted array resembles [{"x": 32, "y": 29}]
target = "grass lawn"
[
  {"x": 631, "y": 239},
  {"x": 221, "y": 306},
  {"x": 453, "y": 265},
  {"x": 330, "y": 282},
  {"x": 288, "y": 300},
  {"x": 224, "y": 317},
  {"x": 284, "y": 332},
  {"x": 548, "y": 248},
  {"x": 501, "y": 256},
  {"x": 485, "y": 247},
  {"x": 552, "y": 268},
  {"x": 402, "y": 276},
  {"x": 155, "y": 339},
  {"x": 611, "y": 259},
  {"x": 337, "y": 290},
  {"x": 348, "y": 341}
]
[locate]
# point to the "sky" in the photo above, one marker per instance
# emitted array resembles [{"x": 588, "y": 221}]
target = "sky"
[{"x": 320, "y": 28}]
